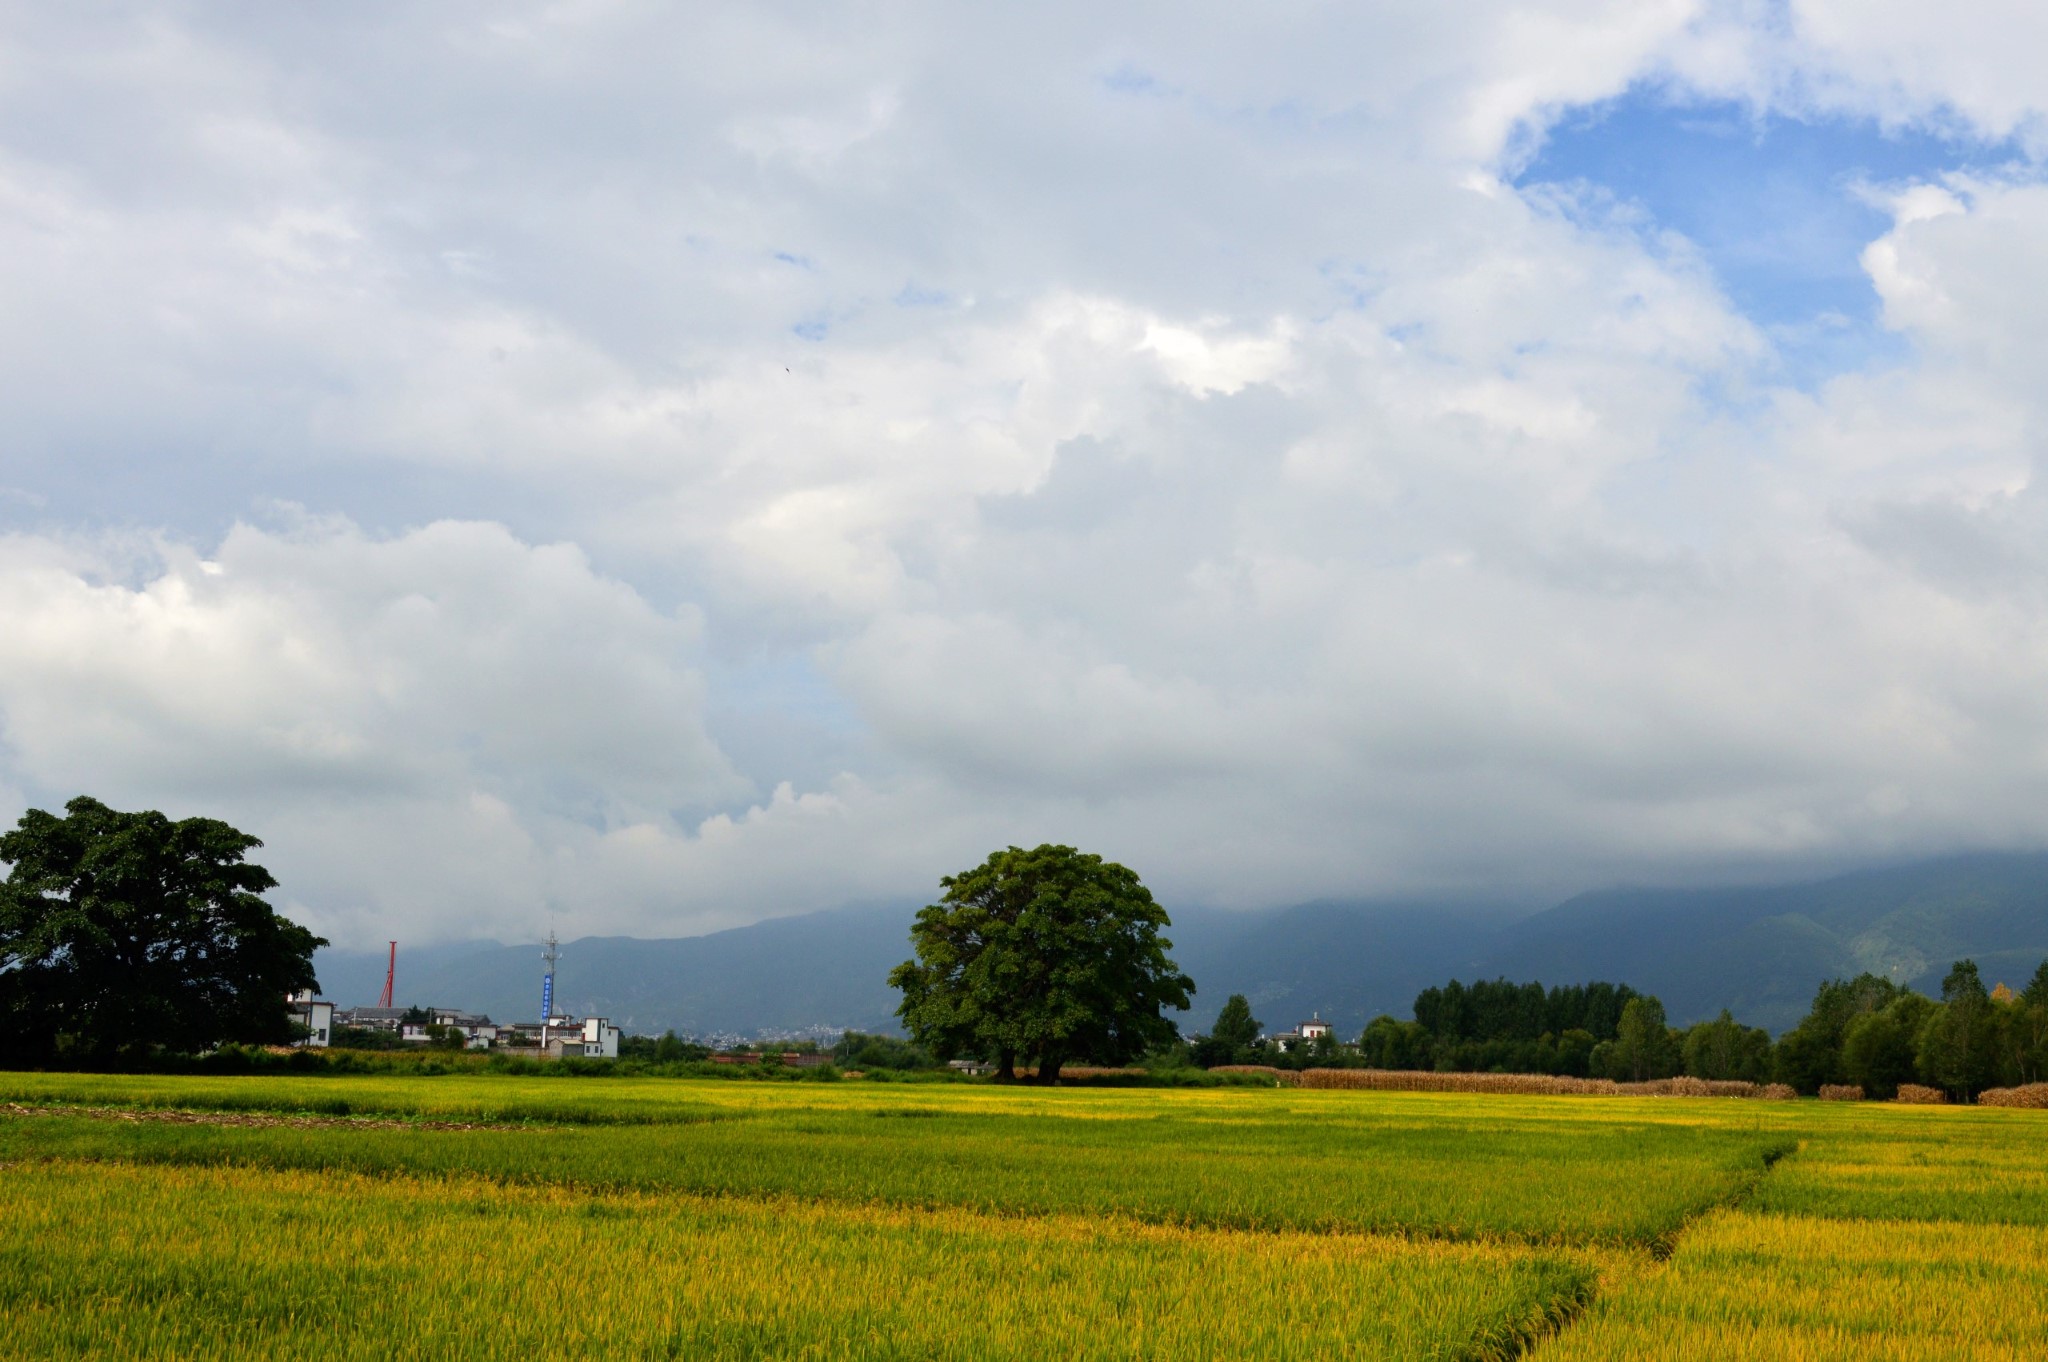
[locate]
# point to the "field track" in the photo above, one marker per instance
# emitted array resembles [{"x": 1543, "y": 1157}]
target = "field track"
[{"x": 439, "y": 1217}]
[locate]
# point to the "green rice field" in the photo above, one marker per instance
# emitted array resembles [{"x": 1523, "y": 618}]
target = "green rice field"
[{"x": 485, "y": 1215}]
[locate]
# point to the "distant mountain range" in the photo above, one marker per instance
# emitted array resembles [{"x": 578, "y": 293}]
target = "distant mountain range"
[{"x": 1759, "y": 951}]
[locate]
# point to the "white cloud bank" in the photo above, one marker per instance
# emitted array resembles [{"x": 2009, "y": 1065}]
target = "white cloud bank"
[{"x": 1171, "y": 435}]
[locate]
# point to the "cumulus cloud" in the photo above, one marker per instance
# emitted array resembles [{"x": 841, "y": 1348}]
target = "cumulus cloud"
[{"x": 763, "y": 461}]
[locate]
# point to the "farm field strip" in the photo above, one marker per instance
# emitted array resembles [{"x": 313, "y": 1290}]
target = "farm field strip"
[
  {"x": 1892, "y": 1234},
  {"x": 598, "y": 1101},
  {"x": 1987, "y": 1167},
  {"x": 1173, "y": 1184},
  {"x": 450, "y": 1097},
  {"x": 1746, "y": 1285},
  {"x": 1608, "y": 1181},
  {"x": 121, "y": 1261}
]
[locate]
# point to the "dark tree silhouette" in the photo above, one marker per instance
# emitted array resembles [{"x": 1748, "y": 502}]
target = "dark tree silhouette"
[{"x": 122, "y": 933}]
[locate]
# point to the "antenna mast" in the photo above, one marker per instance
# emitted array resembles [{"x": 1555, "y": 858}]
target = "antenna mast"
[
  {"x": 547, "y": 988},
  {"x": 390, "y": 974}
]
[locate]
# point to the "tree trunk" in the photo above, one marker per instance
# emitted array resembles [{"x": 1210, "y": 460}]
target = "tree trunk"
[
  {"x": 1049, "y": 1067},
  {"x": 1006, "y": 1067}
]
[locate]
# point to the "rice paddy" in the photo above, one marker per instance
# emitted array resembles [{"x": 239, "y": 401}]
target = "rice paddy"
[{"x": 473, "y": 1215}]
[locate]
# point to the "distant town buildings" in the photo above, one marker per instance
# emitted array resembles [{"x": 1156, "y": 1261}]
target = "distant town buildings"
[{"x": 556, "y": 1038}]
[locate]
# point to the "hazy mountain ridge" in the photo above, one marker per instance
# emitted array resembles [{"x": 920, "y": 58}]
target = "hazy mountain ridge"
[{"x": 1759, "y": 951}]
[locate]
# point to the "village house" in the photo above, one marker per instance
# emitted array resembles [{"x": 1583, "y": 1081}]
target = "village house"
[
  {"x": 597, "y": 1039},
  {"x": 315, "y": 1015},
  {"x": 1314, "y": 1029}
]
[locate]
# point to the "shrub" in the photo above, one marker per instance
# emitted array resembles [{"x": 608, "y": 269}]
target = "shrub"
[
  {"x": 1915, "y": 1094},
  {"x": 1841, "y": 1092},
  {"x": 1282, "y": 1078}
]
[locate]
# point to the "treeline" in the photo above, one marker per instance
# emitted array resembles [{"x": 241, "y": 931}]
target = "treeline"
[
  {"x": 1577, "y": 1030},
  {"x": 1876, "y": 1034},
  {"x": 1868, "y": 1032},
  {"x": 1596, "y": 1030}
]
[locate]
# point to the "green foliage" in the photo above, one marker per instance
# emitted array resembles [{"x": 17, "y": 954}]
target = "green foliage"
[
  {"x": 1498, "y": 1010},
  {"x": 2026, "y": 1031},
  {"x": 1051, "y": 955},
  {"x": 124, "y": 933},
  {"x": 1390, "y": 1044},
  {"x": 1879, "y": 1048},
  {"x": 1724, "y": 1049},
  {"x": 364, "y": 1038},
  {"x": 667, "y": 1048},
  {"x": 859, "y": 1050},
  {"x": 1493, "y": 1026},
  {"x": 1231, "y": 1039},
  {"x": 1643, "y": 1044},
  {"x": 2036, "y": 992},
  {"x": 1958, "y": 1041},
  {"x": 1235, "y": 1024},
  {"x": 1810, "y": 1054},
  {"x": 1575, "y": 1054}
]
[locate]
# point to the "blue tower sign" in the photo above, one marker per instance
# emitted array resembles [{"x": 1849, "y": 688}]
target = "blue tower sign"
[{"x": 547, "y": 982}]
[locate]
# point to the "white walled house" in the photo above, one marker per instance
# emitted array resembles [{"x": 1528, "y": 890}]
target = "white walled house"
[
  {"x": 1315, "y": 1028},
  {"x": 313, "y": 1014},
  {"x": 598, "y": 1039}
]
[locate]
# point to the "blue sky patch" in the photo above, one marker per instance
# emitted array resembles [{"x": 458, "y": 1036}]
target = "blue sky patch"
[{"x": 1771, "y": 203}]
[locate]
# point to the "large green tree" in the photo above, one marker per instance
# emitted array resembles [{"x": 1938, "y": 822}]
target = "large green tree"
[
  {"x": 1051, "y": 955},
  {"x": 1232, "y": 1037},
  {"x": 122, "y": 933},
  {"x": 1878, "y": 1051},
  {"x": 1724, "y": 1049},
  {"x": 1958, "y": 1041},
  {"x": 2030, "y": 1029},
  {"x": 1643, "y": 1047}
]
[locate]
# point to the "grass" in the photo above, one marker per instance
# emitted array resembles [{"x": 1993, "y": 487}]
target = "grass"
[{"x": 984, "y": 1222}]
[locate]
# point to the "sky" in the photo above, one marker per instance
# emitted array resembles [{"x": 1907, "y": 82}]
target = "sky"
[{"x": 640, "y": 469}]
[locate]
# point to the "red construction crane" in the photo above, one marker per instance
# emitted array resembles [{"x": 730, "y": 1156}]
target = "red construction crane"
[{"x": 390, "y": 973}]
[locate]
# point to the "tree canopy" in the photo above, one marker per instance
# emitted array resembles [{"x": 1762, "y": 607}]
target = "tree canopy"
[
  {"x": 1051, "y": 955},
  {"x": 122, "y": 933},
  {"x": 1958, "y": 1042},
  {"x": 1231, "y": 1039}
]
